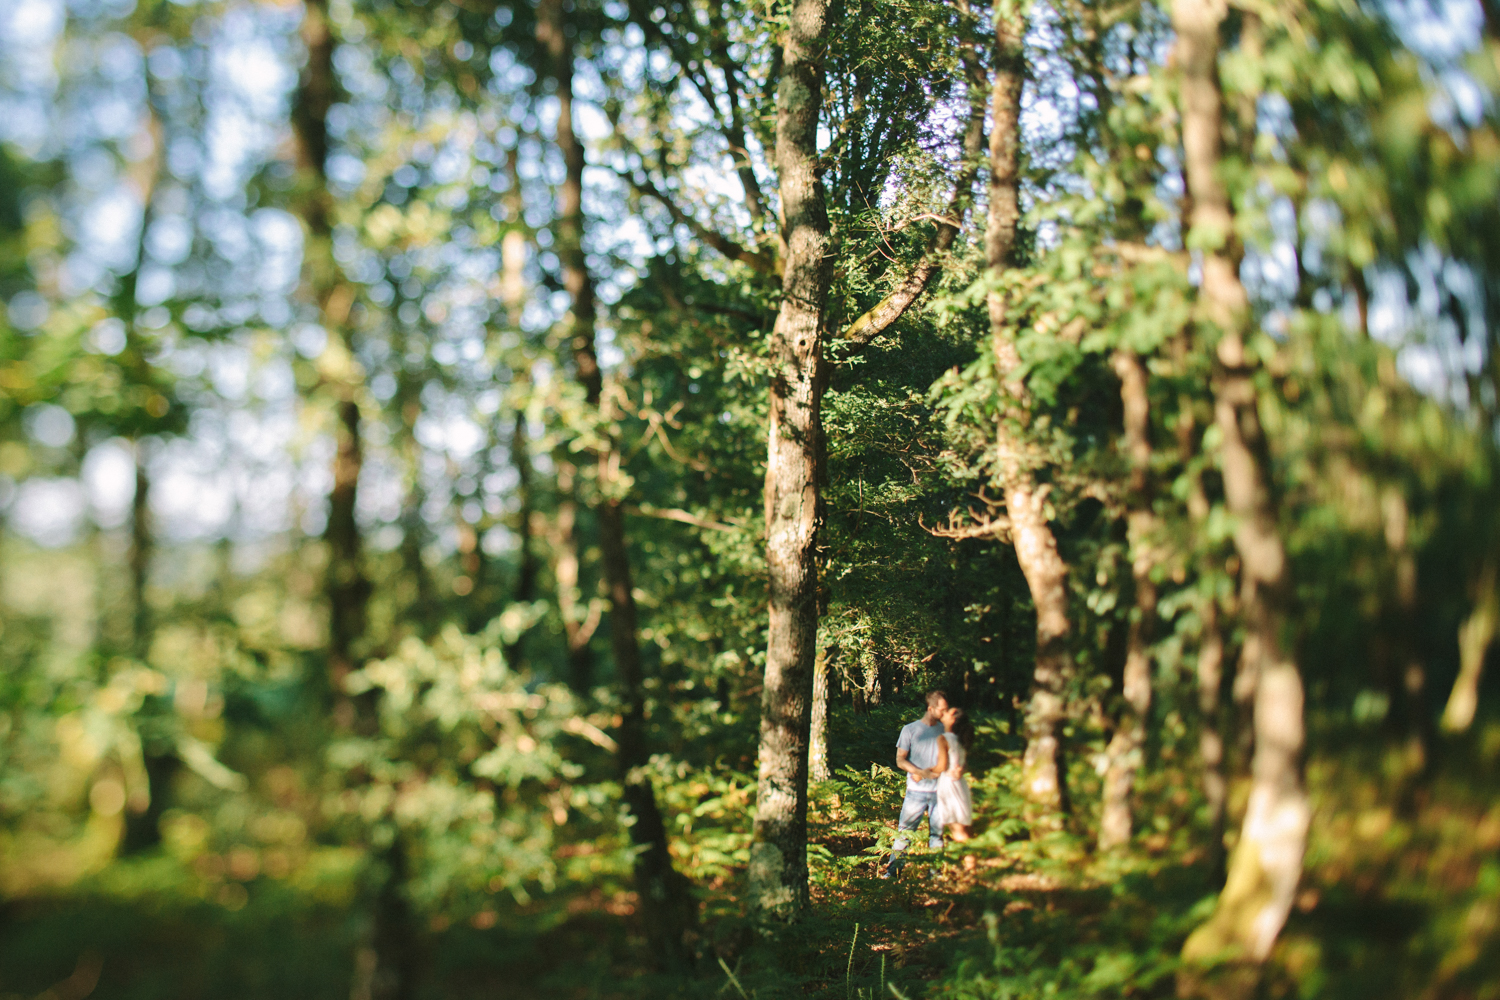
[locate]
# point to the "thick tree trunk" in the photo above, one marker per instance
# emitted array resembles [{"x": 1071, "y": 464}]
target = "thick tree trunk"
[
  {"x": 667, "y": 907},
  {"x": 1127, "y": 747},
  {"x": 1025, "y": 502},
  {"x": 817, "y": 741},
  {"x": 1266, "y": 864},
  {"x": 794, "y": 466}
]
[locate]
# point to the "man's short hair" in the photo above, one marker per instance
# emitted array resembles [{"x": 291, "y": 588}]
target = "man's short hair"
[{"x": 936, "y": 695}]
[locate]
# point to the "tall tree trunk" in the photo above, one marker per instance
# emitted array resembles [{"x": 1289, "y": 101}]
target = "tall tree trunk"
[
  {"x": 1266, "y": 864},
  {"x": 667, "y": 908},
  {"x": 1025, "y": 502},
  {"x": 1127, "y": 747},
  {"x": 159, "y": 760},
  {"x": 794, "y": 466},
  {"x": 513, "y": 295},
  {"x": 817, "y": 741},
  {"x": 391, "y": 975},
  {"x": 345, "y": 585}
]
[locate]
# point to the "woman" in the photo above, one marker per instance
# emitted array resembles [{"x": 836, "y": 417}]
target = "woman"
[{"x": 955, "y": 804}]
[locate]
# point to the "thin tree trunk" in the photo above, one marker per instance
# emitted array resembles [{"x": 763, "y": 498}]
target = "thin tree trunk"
[
  {"x": 1409, "y": 683},
  {"x": 140, "y": 556},
  {"x": 1266, "y": 864},
  {"x": 513, "y": 294},
  {"x": 158, "y": 752},
  {"x": 347, "y": 588},
  {"x": 527, "y": 566},
  {"x": 667, "y": 908},
  {"x": 1025, "y": 502},
  {"x": 794, "y": 466},
  {"x": 425, "y": 607},
  {"x": 158, "y": 755},
  {"x": 1127, "y": 748},
  {"x": 1474, "y": 639},
  {"x": 1211, "y": 646},
  {"x": 817, "y": 754},
  {"x": 1210, "y": 671}
]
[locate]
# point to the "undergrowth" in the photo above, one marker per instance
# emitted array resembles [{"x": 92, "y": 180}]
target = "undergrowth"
[{"x": 1401, "y": 898}]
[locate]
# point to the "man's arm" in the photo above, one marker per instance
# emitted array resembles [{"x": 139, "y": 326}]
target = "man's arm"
[{"x": 903, "y": 762}]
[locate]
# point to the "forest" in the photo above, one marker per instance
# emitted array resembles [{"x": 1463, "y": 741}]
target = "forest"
[{"x": 484, "y": 485}]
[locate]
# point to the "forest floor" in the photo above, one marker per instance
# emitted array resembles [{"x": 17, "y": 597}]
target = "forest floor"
[{"x": 1401, "y": 898}]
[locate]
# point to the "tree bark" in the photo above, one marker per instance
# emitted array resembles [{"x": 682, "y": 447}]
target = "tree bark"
[
  {"x": 1025, "y": 501},
  {"x": 667, "y": 907},
  {"x": 794, "y": 467},
  {"x": 1127, "y": 747},
  {"x": 817, "y": 753},
  {"x": 1266, "y": 864}
]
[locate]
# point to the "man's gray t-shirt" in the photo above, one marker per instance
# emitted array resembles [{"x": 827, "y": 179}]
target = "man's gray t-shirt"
[{"x": 920, "y": 741}]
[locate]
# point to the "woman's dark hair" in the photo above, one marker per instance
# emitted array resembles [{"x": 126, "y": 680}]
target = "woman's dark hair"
[{"x": 962, "y": 727}]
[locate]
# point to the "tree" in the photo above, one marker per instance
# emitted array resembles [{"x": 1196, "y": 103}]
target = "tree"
[
  {"x": 794, "y": 463},
  {"x": 1266, "y": 864},
  {"x": 666, "y": 906}
]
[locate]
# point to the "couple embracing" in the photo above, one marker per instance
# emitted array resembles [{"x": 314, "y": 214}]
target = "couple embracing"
[{"x": 932, "y": 751}]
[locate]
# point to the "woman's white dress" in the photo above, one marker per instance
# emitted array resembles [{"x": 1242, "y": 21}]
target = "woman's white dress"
[{"x": 955, "y": 804}]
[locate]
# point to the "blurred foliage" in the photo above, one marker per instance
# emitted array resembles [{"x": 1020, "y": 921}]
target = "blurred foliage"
[{"x": 181, "y": 814}]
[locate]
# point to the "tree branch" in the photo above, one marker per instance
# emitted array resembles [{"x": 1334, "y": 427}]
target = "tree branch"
[
  {"x": 889, "y": 309},
  {"x": 727, "y": 247},
  {"x": 681, "y": 516}
]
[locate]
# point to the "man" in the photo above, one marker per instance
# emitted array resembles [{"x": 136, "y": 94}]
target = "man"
[{"x": 917, "y": 755}]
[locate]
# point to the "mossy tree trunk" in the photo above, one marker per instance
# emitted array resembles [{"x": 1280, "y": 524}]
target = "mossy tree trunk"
[
  {"x": 794, "y": 467},
  {"x": 1025, "y": 501}
]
